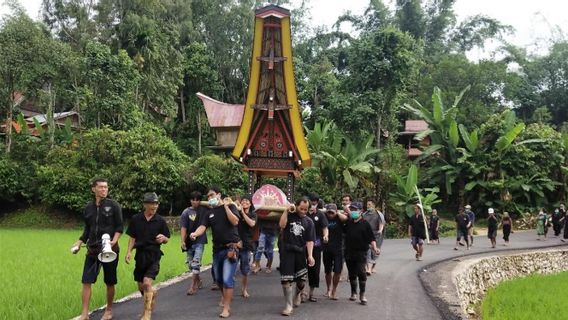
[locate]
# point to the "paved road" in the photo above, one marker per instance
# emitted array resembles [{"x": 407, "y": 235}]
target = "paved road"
[{"x": 394, "y": 292}]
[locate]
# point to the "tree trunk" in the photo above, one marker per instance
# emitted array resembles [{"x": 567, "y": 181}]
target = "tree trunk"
[
  {"x": 378, "y": 133},
  {"x": 199, "y": 131},
  {"x": 182, "y": 105}
]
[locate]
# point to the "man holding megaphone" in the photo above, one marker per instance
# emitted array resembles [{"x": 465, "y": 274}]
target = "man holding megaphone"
[{"x": 103, "y": 216}]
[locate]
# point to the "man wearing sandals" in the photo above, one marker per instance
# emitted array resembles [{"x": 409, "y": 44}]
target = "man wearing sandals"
[
  {"x": 297, "y": 239},
  {"x": 358, "y": 238},
  {"x": 102, "y": 215},
  {"x": 223, "y": 218},
  {"x": 189, "y": 221},
  {"x": 147, "y": 231}
]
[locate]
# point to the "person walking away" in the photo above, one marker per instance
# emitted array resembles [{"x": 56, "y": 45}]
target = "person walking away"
[
  {"x": 333, "y": 249},
  {"x": 492, "y": 224},
  {"x": 147, "y": 231},
  {"x": 462, "y": 227},
  {"x": 189, "y": 221},
  {"x": 417, "y": 232},
  {"x": 434, "y": 227},
  {"x": 102, "y": 215},
  {"x": 358, "y": 238},
  {"x": 223, "y": 219},
  {"x": 297, "y": 239},
  {"x": 507, "y": 224},
  {"x": 322, "y": 236},
  {"x": 246, "y": 224},
  {"x": 471, "y": 216}
]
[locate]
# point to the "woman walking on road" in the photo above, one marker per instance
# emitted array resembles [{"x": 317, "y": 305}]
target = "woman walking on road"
[{"x": 507, "y": 224}]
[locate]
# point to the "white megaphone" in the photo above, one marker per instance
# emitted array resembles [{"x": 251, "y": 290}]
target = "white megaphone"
[{"x": 107, "y": 255}]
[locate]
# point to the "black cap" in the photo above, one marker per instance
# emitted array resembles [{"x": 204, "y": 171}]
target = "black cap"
[
  {"x": 331, "y": 207},
  {"x": 356, "y": 205},
  {"x": 150, "y": 197}
]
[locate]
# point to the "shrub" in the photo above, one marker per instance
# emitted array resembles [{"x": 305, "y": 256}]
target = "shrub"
[
  {"x": 136, "y": 161},
  {"x": 214, "y": 170}
]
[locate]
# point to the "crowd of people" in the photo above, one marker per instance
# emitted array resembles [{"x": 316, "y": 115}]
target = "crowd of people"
[{"x": 307, "y": 234}]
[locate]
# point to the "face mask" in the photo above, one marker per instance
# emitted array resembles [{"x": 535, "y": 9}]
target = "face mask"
[
  {"x": 213, "y": 202},
  {"x": 355, "y": 215}
]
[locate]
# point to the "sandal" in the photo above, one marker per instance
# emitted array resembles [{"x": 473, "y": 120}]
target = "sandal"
[{"x": 313, "y": 299}]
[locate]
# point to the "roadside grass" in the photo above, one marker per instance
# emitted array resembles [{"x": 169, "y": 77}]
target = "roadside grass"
[
  {"x": 42, "y": 279},
  {"x": 534, "y": 297}
]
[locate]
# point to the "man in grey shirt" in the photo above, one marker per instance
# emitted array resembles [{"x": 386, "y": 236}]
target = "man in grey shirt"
[{"x": 376, "y": 219}]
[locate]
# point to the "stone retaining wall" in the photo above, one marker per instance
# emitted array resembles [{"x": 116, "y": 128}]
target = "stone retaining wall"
[{"x": 475, "y": 276}]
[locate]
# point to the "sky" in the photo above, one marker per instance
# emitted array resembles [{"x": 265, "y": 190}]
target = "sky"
[{"x": 535, "y": 22}]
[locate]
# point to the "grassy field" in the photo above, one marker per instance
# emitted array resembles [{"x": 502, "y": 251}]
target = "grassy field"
[
  {"x": 42, "y": 279},
  {"x": 533, "y": 297}
]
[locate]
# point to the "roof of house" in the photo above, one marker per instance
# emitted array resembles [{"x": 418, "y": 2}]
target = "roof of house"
[
  {"x": 42, "y": 118},
  {"x": 414, "y": 152},
  {"x": 414, "y": 126},
  {"x": 220, "y": 114}
]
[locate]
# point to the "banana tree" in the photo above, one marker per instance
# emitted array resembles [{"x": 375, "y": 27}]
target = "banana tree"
[
  {"x": 444, "y": 135},
  {"x": 407, "y": 194}
]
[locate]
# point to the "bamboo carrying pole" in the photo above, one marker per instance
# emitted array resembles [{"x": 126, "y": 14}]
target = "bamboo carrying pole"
[{"x": 274, "y": 212}]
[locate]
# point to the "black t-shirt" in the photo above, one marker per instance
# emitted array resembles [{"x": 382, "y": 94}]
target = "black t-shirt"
[
  {"x": 416, "y": 223},
  {"x": 358, "y": 235},
  {"x": 106, "y": 218},
  {"x": 492, "y": 223},
  {"x": 298, "y": 231},
  {"x": 245, "y": 231},
  {"x": 434, "y": 222},
  {"x": 462, "y": 220},
  {"x": 190, "y": 219},
  {"x": 222, "y": 229},
  {"x": 336, "y": 229},
  {"x": 145, "y": 231},
  {"x": 267, "y": 227},
  {"x": 320, "y": 222}
]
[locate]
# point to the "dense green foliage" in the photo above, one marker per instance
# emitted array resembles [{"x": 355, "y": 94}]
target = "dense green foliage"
[{"x": 131, "y": 69}]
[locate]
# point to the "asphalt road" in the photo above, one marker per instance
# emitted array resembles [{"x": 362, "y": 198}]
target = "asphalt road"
[{"x": 394, "y": 292}]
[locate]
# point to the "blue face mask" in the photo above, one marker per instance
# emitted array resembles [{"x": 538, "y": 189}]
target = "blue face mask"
[
  {"x": 213, "y": 202},
  {"x": 355, "y": 215}
]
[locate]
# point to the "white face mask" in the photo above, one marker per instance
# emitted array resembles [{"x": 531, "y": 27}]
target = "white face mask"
[{"x": 213, "y": 202}]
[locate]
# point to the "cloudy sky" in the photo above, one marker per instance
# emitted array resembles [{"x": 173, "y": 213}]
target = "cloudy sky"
[{"x": 535, "y": 22}]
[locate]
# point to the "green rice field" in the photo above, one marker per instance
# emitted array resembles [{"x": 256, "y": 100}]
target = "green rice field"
[
  {"x": 41, "y": 279},
  {"x": 531, "y": 298}
]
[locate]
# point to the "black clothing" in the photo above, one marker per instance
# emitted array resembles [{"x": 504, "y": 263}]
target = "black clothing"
[
  {"x": 147, "y": 265},
  {"x": 356, "y": 262},
  {"x": 245, "y": 231},
  {"x": 92, "y": 267},
  {"x": 416, "y": 223},
  {"x": 336, "y": 229},
  {"x": 297, "y": 232},
  {"x": 333, "y": 261},
  {"x": 106, "y": 218},
  {"x": 320, "y": 222},
  {"x": 190, "y": 220},
  {"x": 145, "y": 232},
  {"x": 222, "y": 229},
  {"x": 492, "y": 227},
  {"x": 506, "y": 232},
  {"x": 434, "y": 222},
  {"x": 314, "y": 272},
  {"x": 462, "y": 220},
  {"x": 358, "y": 236},
  {"x": 268, "y": 227}
]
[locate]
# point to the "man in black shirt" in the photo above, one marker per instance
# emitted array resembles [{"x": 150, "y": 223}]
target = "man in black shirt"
[
  {"x": 358, "y": 238},
  {"x": 322, "y": 234},
  {"x": 297, "y": 238},
  {"x": 417, "y": 232},
  {"x": 246, "y": 223},
  {"x": 333, "y": 249},
  {"x": 223, "y": 218},
  {"x": 189, "y": 221},
  {"x": 462, "y": 225},
  {"x": 492, "y": 224},
  {"x": 147, "y": 231},
  {"x": 102, "y": 215}
]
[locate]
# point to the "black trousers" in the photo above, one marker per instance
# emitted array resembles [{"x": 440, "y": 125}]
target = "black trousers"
[
  {"x": 356, "y": 262},
  {"x": 314, "y": 272},
  {"x": 557, "y": 226},
  {"x": 506, "y": 231}
]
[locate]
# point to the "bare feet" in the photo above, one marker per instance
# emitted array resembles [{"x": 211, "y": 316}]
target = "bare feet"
[
  {"x": 225, "y": 314},
  {"x": 245, "y": 294}
]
